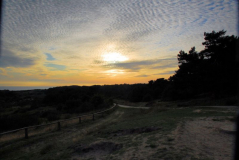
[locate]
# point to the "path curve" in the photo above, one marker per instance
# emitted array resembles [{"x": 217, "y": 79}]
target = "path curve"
[{"x": 124, "y": 106}]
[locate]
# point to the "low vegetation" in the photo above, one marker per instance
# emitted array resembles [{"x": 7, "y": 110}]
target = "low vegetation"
[
  {"x": 26, "y": 108},
  {"x": 125, "y": 134}
]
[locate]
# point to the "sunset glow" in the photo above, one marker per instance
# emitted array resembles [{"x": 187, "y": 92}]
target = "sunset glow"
[
  {"x": 56, "y": 43},
  {"x": 114, "y": 57}
]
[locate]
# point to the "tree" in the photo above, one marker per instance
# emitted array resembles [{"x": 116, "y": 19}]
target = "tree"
[
  {"x": 219, "y": 48},
  {"x": 220, "y": 51},
  {"x": 214, "y": 69}
]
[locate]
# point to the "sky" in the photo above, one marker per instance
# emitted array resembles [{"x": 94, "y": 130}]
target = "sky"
[{"x": 97, "y": 42}]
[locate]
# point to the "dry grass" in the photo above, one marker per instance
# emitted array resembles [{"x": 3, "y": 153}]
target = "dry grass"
[
  {"x": 127, "y": 128},
  {"x": 33, "y": 131}
]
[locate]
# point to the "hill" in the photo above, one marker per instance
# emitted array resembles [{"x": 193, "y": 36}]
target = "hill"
[{"x": 164, "y": 131}]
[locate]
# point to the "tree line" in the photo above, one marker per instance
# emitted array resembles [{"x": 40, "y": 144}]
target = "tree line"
[{"x": 214, "y": 70}]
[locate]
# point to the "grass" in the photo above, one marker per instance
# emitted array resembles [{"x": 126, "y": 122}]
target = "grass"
[
  {"x": 46, "y": 149},
  {"x": 62, "y": 144}
]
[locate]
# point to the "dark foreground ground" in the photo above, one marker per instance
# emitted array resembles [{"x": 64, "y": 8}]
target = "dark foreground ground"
[{"x": 164, "y": 131}]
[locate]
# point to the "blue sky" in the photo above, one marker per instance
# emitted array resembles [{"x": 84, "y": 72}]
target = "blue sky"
[{"x": 79, "y": 42}]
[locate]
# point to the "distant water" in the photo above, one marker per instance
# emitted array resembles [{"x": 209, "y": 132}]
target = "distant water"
[{"x": 14, "y": 88}]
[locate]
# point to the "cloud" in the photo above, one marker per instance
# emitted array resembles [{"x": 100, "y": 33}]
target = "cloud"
[
  {"x": 131, "y": 66},
  {"x": 10, "y": 59},
  {"x": 54, "y": 67},
  {"x": 98, "y": 62},
  {"x": 49, "y": 57},
  {"x": 80, "y": 70},
  {"x": 73, "y": 33},
  {"x": 122, "y": 20},
  {"x": 169, "y": 22},
  {"x": 175, "y": 49},
  {"x": 163, "y": 66},
  {"x": 144, "y": 64},
  {"x": 154, "y": 24},
  {"x": 166, "y": 73},
  {"x": 45, "y": 80},
  {"x": 143, "y": 75},
  {"x": 27, "y": 49},
  {"x": 52, "y": 48},
  {"x": 37, "y": 21},
  {"x": 18, "y": 47}
]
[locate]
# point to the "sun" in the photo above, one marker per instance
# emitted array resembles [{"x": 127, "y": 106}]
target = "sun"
[{"x": 113, "y": 57}]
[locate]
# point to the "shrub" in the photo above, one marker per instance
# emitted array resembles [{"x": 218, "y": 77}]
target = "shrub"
[
  {"x": 51, "y": 115},
  {"x": 232, "y": 101},
  {"x": 147, "y": 98},
  {"x": 97, "y": 100},
  {"x": 17, "y": 121}
]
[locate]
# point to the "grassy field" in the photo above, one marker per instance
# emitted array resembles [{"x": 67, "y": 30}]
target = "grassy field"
[{"x": 160, "y": 132}]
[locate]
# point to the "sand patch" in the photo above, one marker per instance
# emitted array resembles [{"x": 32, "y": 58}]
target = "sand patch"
[
  {"x": 204, "y": 137},
  {"x": 95, "y": 150},
  {"x": 197, "y": 111}
]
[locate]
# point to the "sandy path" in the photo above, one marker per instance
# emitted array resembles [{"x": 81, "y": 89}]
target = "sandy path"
[
  {"x": 124, "y": 106},
  {"x": 205, "y": 139},
  {"x": 226, "y": 107}
]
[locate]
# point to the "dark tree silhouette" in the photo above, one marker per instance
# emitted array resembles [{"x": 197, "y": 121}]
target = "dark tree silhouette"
[{"x": 213, "y": 70}]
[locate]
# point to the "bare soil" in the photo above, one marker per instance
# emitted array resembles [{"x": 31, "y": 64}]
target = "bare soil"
[
  {"x": 205, "y": 138},
  {"x": 95, "y": 150},
  {"x": 194, "y": 138}
]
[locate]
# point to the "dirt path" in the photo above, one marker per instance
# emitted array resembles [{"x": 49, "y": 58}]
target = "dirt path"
[
  {"x": 74, "y": 134},
  {"x": 99, "y": 143},
  {"x": 205, "y": 139},
  {"x": 226, "y": 107},
  {"x": 124, "y": 106}
]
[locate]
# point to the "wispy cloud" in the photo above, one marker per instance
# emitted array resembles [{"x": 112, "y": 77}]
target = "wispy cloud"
[
  {"x": 144, "y": 64},
  {"x": 142, "y": 18},
  {"x": 11, "y": 59},
  {"x": 165, "y": 65},
  {"x": 166, "y": 73},
  {"x": 124, "y": 20},
  {"x": 143, "y": 75}
]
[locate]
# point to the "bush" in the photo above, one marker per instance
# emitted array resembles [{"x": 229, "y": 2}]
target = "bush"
[
  {"x": 232, "y": 101},
  {"x": 147, "y": 98},
  {"x": 72, "y": 105},
  {"x": 17, "y": 121},
  {"x": 51, "y": 115},
  {"x": 85, "y": 107},
  {"x": 97, "y": 100}
]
